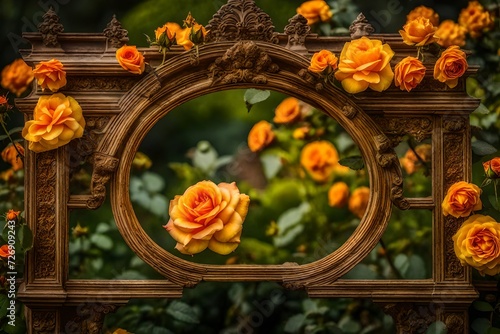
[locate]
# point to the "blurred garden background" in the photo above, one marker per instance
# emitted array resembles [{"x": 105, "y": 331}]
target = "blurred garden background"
[{"x": 295, "y": 216}]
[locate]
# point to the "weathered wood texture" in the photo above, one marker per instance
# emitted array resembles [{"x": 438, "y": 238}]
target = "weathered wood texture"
[{"x": 122, "y": 108}]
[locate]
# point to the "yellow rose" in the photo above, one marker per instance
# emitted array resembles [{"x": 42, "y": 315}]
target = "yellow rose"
[
  {"x": 462, "y": 199},
  {"x": 10, "y": 155},
  {"x": 130, "y": 59},
  {"x": 450, "y": 66},
  {"x": 319, "y": 159},
  {"x": 419, "y": 32},
  {"x": 408, "y": 73},
  {"x": 17, "y": 77},
  {"x": 301, "y": 133},
  {"x": 477, "y": 244},
  {"x": 288, "y": 111},
  {"x": 451, "y": 33},
  {"x": 315, "y": 11},
  {"x": 57, "y": 120},
  {"x": 141, "y": 161},
  {"x": 260, "y": 136},
  {"x": 50, "y": 75},
  {"x": 338, "y": 195},
  {"x": 475, "y": 19},
  {"x": 182, "y": 38},
  {"x": 169, "y": 28},
  {"x": 358, "y": 202},
  {"x": 365, "y": 63},
  {"x": 323, "y": 61},
  {"x": 208, "y": 215},
  {"x": 425, "y": 12}
]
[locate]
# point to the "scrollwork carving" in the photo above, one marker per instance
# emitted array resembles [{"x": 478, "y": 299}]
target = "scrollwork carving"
[
  {"x": 454, "y": 323},
  {"x": 454, "y": 269},
  {"x": 297, "y": 31},
  {"x": 90, "y": 317},
  {"x": 240, "y": 20},
  {"x": 104, "y": 167},
  {"x": 419, "y": 128},
  {"x": 50, "y": 28},
  {"x": 45, "y": 236},
  {"x": 115, "y": 33},
  {"x": 454, "y": 124},
  {"x": 243, "y": 62},
  {"x": 313, "y": 80},
  {"x": 349, "y": 111},
  {"x": 100, "y": 83},
  {"x": 360, "y": 27},
  {"x": 410, "y": 318},
  {"x": 44, "y": 322}
]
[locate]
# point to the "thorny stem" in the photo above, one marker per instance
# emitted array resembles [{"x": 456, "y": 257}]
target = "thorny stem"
[
  {"x": 10, "y": 138},
  {"x": 389, "y": 259}
]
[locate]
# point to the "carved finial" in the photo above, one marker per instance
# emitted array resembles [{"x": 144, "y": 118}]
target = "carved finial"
[
  {"x": 240, "y": 20},
  {"x": 50, "y": 28},
  {"x": 115, "y": 33},
  {"x": 360, "y": 27},
  {"x": 297, "y": 30}
]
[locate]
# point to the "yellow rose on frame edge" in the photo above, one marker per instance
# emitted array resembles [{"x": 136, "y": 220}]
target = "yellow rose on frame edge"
[
  {"x": 57, "y": 119},
  {"x": 477, "y": 244}
]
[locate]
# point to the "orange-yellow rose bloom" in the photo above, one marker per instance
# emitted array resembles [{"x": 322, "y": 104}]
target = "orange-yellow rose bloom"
[
  {"x": 462, "y": 199},
  {"x": 17, "y": 77},
  {"x": 130, "y": 59},
  {"x": 12, "y": 215},
  {"x": 182, "y": 38},
  {"x": 419, "y": 32},
  {"x": 57, "y": 120},
  {"x": 3, "y": 101},
  {"x": 169, "y": 28},
  {"x": 319, "y": 159},
  {"x": 365, "y": 63},
  {"x": 477, "y": 244},
  {"x": 4, "y": 251},
  {"x": 50, "y": 75},
  {"x": 475, "y": 19},
  {"x": 10, "y": 155},
  {"x": 451, "y": 33},
  {"x": 208, "y": 215},
  {"x": 338, "y": 195},
  {"x": 425, "y": 12},
  {"x": 358, "y": 202},
  {"x": 301, "y": 132},
  {"x": 451, "y": 66},
  {"x": 315, "y": 11},
  {"x": 288, "y": 111},
  {"x": 323, "y": 61},
  {"x": 492, "y": 168},
  {"x": 260, "y": 136},
  {"x": 408, "y": 73}
]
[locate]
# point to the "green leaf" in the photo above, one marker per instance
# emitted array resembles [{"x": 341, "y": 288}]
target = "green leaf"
[
  {"x": 271, "y": 164},
  {"x": 4, "y": 303},
  {"x": 159, "y": 205},
  {"x": 295, "y": 323},
  {"x": 361, "y": 271},
  {"x": 482, "y": 306},
  {"x": 416, "y": 269},
  {"x": 348, "y": 325},
  {"x": 15, "y": 130},
  {"x": 102, "y": 228},
  {"x": 402, "y": 264},
  {"x": 160, "y": 330},
  {"x": 182, "y": 312},
  {"x": 253, "y": 96},
  {"x": 102, "y": 241},
  {"x": 493, "y": 330},
  {"x": 437, "y": 327},
  {"x": 482, "y": 148},
  {"x": 482, "y": 109},
  {"x": 292, "y": 216},
  {"x": 481, "y": 325},
  {"x": 130, "y": 275},
  {"x": 25, "y": 237},
  {"x": 355, "y": 162},
  {"x": 288, "y": 236},
  {"x": 153, "y": 182}
]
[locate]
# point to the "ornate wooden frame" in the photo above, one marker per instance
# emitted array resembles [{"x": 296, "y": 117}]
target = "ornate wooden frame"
[{"x": 243, "y": 51}]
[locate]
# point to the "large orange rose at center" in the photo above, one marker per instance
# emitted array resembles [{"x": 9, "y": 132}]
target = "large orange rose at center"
[
  {"x": 208, "y": 215},
  {"x": 365, "y": 63}
]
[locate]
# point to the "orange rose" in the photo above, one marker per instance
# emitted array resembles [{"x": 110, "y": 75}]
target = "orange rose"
[
  {"x": 425, "y": 12},
  {"x": 492, "y": 168},
  {"x": 451, "y": 33},
  {"x": 301, "y": 133},
  {"x": 169, "y": 28},
  {"x": 12, "y": 215},
  {"x": 50, "y": 74},
  {"x": 208, "y": 215},
  {"x": 287, "y": 111},
  {"x": 3, "y": 101},
  {"x": 475, "y": 19},
  {"x": 338, "y": 195},
  {"x": 462, "y": 199},
  {"x": 365, "y": 63},
  {"x": 57, "y": 120},
  {"x": 323, "y": 61},
  {"x": 4, "y": 251},
  {"x": 130, "y": 59},
  {"x": 315, "y": 11},
  {"x": 10, "y": 155},
  {"x": 260, "y": 136},
  {"x": 450, "y": 66},
  {"x": 419, "y": 32},
  {"x": 411, "y": 163},
  {"x": 319, "y": 159},
  {"x": 182, "y": 38},
  {"x": 408, "y": 73},
  {"x": 17, "y": 77},
  {"x": 477, "y": 244},
  {"x": 358, "y": 202}
]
